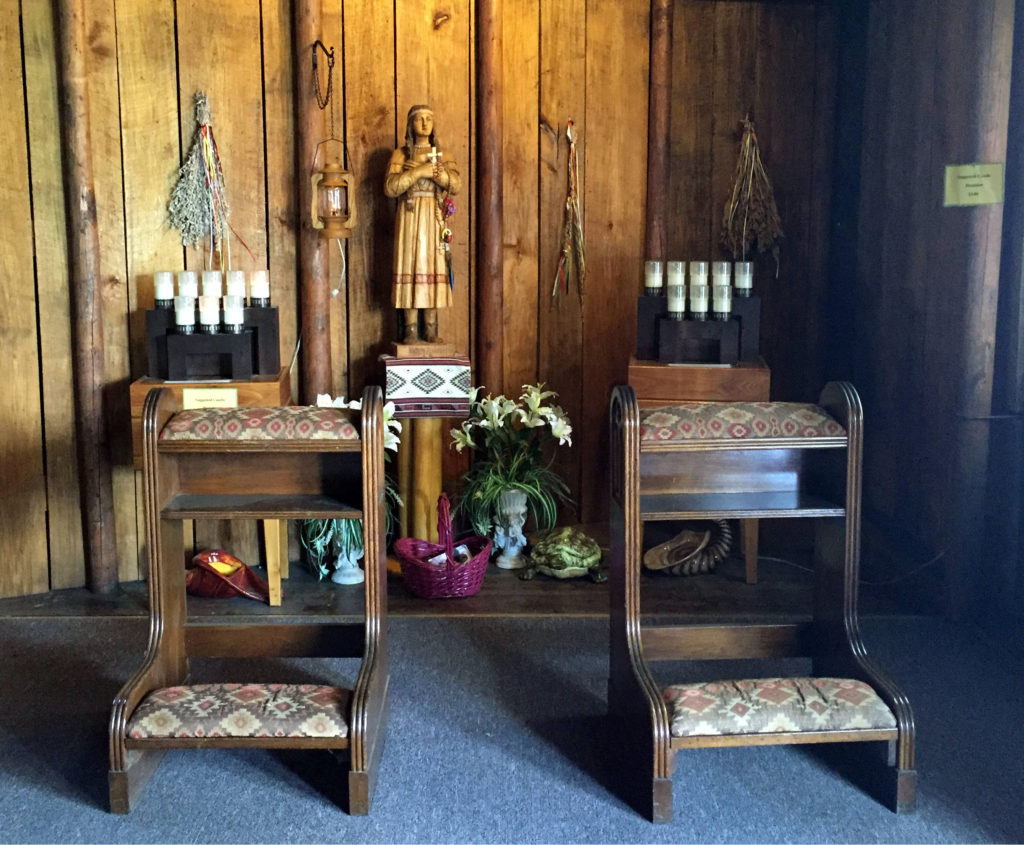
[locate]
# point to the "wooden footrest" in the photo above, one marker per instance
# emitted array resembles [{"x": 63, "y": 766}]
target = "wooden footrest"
[
  {"x": 775, "y": 706},
  {"x": 257, "y": 712}
]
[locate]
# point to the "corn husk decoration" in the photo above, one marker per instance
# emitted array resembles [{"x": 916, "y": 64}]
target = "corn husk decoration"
[
  {"x": 751, "y": 216},
  {"x": 573, "y": 253},
  {"x": 199, "y": 205}
]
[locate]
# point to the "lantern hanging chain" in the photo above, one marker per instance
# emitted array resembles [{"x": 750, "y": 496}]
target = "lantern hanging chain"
[{"x": 324, "y": 100}]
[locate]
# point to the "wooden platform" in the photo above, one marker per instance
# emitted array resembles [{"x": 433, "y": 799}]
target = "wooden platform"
[{"x": 718, "y": 596}]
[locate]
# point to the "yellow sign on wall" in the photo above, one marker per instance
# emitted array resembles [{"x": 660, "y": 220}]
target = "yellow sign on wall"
[
  {"x": 974, "y": 184},
  {"x": 209, "y": 397}
]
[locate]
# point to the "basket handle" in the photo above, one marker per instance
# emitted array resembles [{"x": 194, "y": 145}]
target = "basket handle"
[{"x": 444, "y": 527}]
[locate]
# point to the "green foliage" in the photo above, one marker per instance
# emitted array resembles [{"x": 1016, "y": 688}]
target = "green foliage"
[{"x": 510, "y": 439}]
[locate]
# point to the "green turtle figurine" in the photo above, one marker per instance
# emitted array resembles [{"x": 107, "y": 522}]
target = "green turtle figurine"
[{"x": 565, "y": 553}]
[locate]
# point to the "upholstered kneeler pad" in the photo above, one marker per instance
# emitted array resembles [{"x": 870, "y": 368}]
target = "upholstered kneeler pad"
[
  {"x": 774, "y": 705},
  {"x": 736, "y": 421},
  {"x": 206, "y": 710},
  {"x": 290, "y": 423}
]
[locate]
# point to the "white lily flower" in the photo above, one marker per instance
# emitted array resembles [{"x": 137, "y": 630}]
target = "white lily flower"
[{"x": 324, "y": 400}]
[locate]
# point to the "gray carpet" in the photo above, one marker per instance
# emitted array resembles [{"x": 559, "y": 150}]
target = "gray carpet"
[{"x": 497, "y": 734}]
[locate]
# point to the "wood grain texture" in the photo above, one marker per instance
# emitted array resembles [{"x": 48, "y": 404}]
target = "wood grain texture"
[
  {"x": 282, "y": 213},
  {"x": 113, "y": 285},
  {"x": 520, "y": 84},
  {"x": 67, "y": 555},
  {"x": 21, "y": 443},
  {"x": 371, "y": 133},
  {"x": 616, "y": 170},
  {"x": 560, "y": 316}
]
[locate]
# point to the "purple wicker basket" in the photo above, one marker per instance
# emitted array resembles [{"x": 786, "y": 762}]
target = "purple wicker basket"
[{"x": 450, "y": 579}]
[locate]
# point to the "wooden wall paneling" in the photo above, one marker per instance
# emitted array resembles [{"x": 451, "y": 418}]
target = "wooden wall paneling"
[
  {"x": 795, "y": 143},
  {"x": 282, "y": 214},
  {"x": 219, "y": 52},
  {"x": 520, "y": 186},
  {"x": 562, "y": 74},
  {"x": 147, "y": 82},
  {"x": 616, "y": 167},
  {"x": 433, "y": 49},
  {"x": 105, "y": 130},
  {"x": 64, "y": 525},
  {"x": 976, "y": 128},
  {"x": 371, "y": 134},
  {"x": 734, "y": 50},
  {"x": 693, "y": 213},
  {"x": 23, "y": 499}
]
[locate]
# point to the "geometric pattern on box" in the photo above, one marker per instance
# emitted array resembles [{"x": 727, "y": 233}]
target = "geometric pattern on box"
[
  {"x": 299, "y": 422},
  {"x": 774, "y": 705},
  {"x": 207, "y": 710},
  {"x": 736, "y": 421},
  {"x": 428, "y": 387}
]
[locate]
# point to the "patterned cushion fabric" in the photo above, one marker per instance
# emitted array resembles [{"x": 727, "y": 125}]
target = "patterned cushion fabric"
[
  {"x": 288, "y": 423},
  {"x": 736, "y": 421},
  {"x": 774, "y": 705},
  {"x": 259, "y": 710}
]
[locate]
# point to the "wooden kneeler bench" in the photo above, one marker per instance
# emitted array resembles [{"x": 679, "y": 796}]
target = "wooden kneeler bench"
[
  {"x": 746, "y": 460},
  {"x": 255, "y": 463}
]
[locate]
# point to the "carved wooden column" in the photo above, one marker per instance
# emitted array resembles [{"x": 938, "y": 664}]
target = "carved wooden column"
[
  {"x": 94, "y": 472},
  {"x": 314, "y": 290}
]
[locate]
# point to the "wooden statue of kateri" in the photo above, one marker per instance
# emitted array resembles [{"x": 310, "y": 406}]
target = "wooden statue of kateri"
[{"x": 422, "y": 179}]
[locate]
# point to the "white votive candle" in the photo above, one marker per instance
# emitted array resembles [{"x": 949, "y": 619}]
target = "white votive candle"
[
  {"x": 698, "y": 272},
  {"x": 743, "y": 277},
  {"x": 163, "y": 288},
  {"x": 721, "y": 273},
  {"x": 185, "y": 314},
  {"x": 234, "y": 314},
  {"x": 209, "y": 313},
  {"x": 188, "y": 284},
  {"x": 259, "y": 288},
  {"x": 698, "y": 301},
  {"x": 721, "y": 301},
  {"x": 235, "y": 283},
  {"x": 653, "y": 277},
  {"x": 212, "y": 283}
]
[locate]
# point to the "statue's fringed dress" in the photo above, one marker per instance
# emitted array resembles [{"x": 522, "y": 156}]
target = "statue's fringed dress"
[{"x": 421, "y": 274}]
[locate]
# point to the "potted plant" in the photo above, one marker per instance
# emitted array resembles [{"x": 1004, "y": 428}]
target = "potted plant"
[
  {"x": 344, "y": 537},
  {"x": 511, "y": 474}
]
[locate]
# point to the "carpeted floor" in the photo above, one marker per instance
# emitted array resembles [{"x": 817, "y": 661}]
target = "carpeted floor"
[{"x": 497, "y": 734}]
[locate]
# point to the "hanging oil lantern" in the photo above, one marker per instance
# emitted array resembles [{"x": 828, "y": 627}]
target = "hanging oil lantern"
[{"x": 334, "y": 208}]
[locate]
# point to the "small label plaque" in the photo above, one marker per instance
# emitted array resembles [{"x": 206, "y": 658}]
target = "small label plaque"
[
  {"x": 209, "y": 397},
  {"x": 974, "y": 184}
]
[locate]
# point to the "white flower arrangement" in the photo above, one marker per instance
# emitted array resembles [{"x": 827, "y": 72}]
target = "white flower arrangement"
[
  {"x": 392, "y": 427},
  {"x": 509, "y": 437}
]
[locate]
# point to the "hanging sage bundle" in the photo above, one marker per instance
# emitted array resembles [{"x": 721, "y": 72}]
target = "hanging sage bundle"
[
  {"x": 199, "y": 205},
  {"x": 751, "y": 217}
]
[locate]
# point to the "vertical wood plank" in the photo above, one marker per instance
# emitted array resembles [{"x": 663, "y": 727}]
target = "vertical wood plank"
[
  {"x": 66, "y": 553},
  {"x": 616, "y": 169},
  {"x": 219, "y": 52},
  {"x": 693, "y": 214},
  {"x": 279, "y": 117},
  {"x": 105, "y": 129},
  {"x": 562, "y": 74},
  {"x": 23, "y": 499},
  {"x": 371, "y": 134},
  {"x": 433, "y": 66},
  {"x": 520, "y": 43}
]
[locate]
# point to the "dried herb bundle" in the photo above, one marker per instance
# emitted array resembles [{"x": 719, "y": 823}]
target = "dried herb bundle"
[{"x": 751, "y": 215}]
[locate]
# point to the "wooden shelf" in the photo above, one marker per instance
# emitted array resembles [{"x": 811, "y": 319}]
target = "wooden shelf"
[
  {"x": 773, "y": 504},
  {"x": 257, "y": 506}
]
